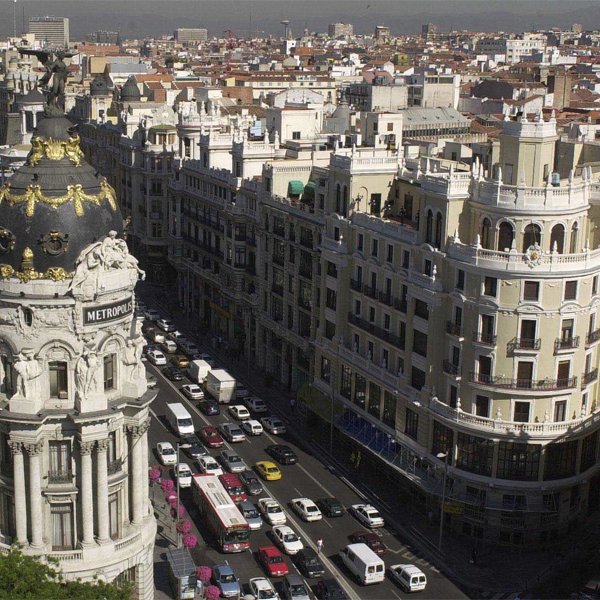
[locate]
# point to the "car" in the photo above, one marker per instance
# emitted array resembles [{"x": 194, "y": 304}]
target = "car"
[
  {"x": 151, "y": 381},
  {"x": 192, "y": 391},
  {"x": 239, "y": 412},
  {"x": 210, "y": 437},
  {"x": 207, "y": 464},
  {"x": 172, "y": 373},
  {"x": 139, "y": 316},
  {"x": 267, "y": 470},
  {"x": 272, "y": 561},
  {"x": 152, "y": 315},
  {"x": 251, "y": 482},
  {"x": 283, "y": 454},
  {"x": 183, "y": 474},
  {"x": 294, "y": 588},
  {"x": 140, "y": 305},
  {"x": 306, "y": 509},
  {"x": 166, "y": 453},
  {"x": 309, "y": 564},
  {"x": 252, "y": 427},
  {"x": 285, "y": 537},
  {"x": 169, "y": 346},
  {"x": 271, "y": 511},
  {"x": 189, "y": 348},
  {"x": 231, "y": 432},
  {"x": 368, "y": 515},
  {"x": 156, "y": 357},
  {"x": 192, "y": 447},
  {"x": 166, "y": 325},
  {"x": 241, "y": 393},
  {"x": 149, "y": 348},
  {"x": 412, "y": 579},
  {"x": 224, "y": 578},
  {"x": 156, "y": 336},
  {"x": 262, "y": 589},
  {"x": 370, "y": 539},
  {"x": 148, "y": 328},
  {"x": 330, "y": 589},
  {"x": 255, "y": 404},
  {"x": 180, "y": 361},
  {"x": 209, "y": 407},
  {"x": 251, "y": 514},
  {"x": 231, "y": 461},
  {"x": 331, "y": 507},
  {"x": 273, "y": 425},
  {"x": 175, "y": 335}
]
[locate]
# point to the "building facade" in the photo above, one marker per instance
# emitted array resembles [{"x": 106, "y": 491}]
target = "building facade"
[{"x": 52, "y": 32}]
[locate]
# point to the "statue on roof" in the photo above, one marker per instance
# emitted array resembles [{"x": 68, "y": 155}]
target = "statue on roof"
[{"x": 57, "y": 71}]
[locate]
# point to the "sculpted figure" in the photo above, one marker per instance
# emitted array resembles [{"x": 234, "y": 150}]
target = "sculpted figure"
[{"x": 28, "y": 375}]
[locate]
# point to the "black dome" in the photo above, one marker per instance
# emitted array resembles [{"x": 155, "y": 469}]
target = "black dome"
[
  {"x": 55, "y": 205},
  {"x": 130, "y": 91},
  {"x": 99, "y": 86}
]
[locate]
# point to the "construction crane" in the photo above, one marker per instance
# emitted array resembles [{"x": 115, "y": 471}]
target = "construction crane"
[{"x": 231, "y": 41}]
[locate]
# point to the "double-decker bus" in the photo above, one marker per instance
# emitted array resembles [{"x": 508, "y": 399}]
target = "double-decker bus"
[{"x": 220, "y": 514}]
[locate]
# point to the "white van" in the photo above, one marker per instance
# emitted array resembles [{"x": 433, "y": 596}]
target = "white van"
[
  {"x": 363, "y": 563},
  {"x": 179, "y": 419},
  {"x": 408, "y": 577}
]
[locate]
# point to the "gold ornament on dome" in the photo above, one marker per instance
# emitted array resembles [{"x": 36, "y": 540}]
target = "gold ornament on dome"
[
  {"x": 57, "y": 274},
  {"x": 29, "y": 274},
  {"x": 6, "y": 271},
  {"x": 55, "y": 150},
  {"x": 75, "y": 193}
]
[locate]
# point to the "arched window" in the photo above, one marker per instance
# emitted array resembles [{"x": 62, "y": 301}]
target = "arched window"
[
  {"x": 557, "y": 238},
  {"x": 338, "y": 198},
  {"x": 574, "y": 246},
  {"x": 531, "y": 236},
  {"x": 429, "y": 227},
  {"x": 506, "y": 233},
  {"x": 345, "y": 202},
  {"x": 438, "y": 230},
  {"x": 486, "y": 234}
]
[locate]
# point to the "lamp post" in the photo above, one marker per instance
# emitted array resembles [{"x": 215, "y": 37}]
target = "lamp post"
[
  {"x": 443, "y": 455},
  {"x": 331, "y": 412}
]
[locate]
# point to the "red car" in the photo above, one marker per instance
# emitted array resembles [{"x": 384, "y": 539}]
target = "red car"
[
  {"x": 272, "y": 561},
  {"x": 370, "y": 539},
  {"x": 210, "y": 436}
]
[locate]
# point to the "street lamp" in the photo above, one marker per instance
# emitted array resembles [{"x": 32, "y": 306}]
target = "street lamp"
[
  {"x": 332, "y": 385},
  {"x": 443, "y": 455}
]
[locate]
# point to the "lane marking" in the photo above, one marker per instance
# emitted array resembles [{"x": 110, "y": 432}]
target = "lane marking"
[
  {"x": 314, "y": 479},
  {"x": 395, "y": 593}
]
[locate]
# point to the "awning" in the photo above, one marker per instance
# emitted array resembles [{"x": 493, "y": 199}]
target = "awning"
[
  {"x": 295, "y": 188},
  {"x": 309, "y": 190}
]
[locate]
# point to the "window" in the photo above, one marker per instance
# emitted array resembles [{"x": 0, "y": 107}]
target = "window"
[
  {"x": 60, "y": 460},
  {"x": 474, "y": 454},
  {"x": 361, "y": 240},
  {"x": 460, "y": 279},
  {"x": 438, "y": 230},
  {"x": 443, "y": 440},
  {"x": 109, "y": 372},
  {"x": 346, "y": 382},
  {"x": 411, "y": 427},
  {"x": 325, "y": 369},
  {"x": 336, "y": 234},
  {"x": 389, "y": 409},
  {"x": 371, "y": 314},
  {"x": 429, "y": 227},
  {"x": 421, "y": 309},
  {"x": 113, "y": 515},
  {"x": 406, "y": 259},
  {"x": 560, "y": 460},
  {"x": 329, "y": 330},
  {"x": 331, "y": 269},
  {"x": 521, "y": 412},
  {"x": 482, "y": 406},
  {"x": 374, "y": 247},
  {"x": 573, "y": 246},
  {"x": 62, "y": 526},
  {"x": 557, "y": 239},
  {"x": 485, "y": 235},
  {"x": 505, "y": 236},
  {"x": 490, "y": 287},
  {"x": 419, "y": 342},
  {"x": 360, "y": 390},
  {"x": 518, "y": 461},
  {"x": 401, "y": 334},
  {"x": 374, "y": 407},
  {"x": 390, "y": 253},
  {"x": 560, "y": 410},
  {"x": 595, "y": 285},
  {"x": 566, "y": 330},
  {"x": 531, "y": 290},
  {"x": 427, "y": 268},
  {"x": 570, "y": 290},
  {"x": 588, "y": 451},
  {"x": 58, "y": 380},
  {"x": 331, "y": 299},
  {"x": 295, "y": 135},
  {"x": 417, "y": 379},
  {"x": 532, "y": 236}
]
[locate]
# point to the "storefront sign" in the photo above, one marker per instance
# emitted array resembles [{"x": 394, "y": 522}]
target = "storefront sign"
[{"x": 107, "y": 312}]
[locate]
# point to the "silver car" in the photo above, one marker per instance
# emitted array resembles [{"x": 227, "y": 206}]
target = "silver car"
[
  {"x": 232, "y": 461},
  {"x": 251, "y": 514},
  {"x": 294, "y": 588}
]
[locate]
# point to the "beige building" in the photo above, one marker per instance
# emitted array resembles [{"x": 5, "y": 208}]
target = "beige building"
[{"x": 51, "y": 32}]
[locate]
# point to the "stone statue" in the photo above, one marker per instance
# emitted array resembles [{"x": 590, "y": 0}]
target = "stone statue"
[
  {"x": 81, "y": 375},
  {"x": 2, "y": 373},
  {"x": 132, "y": 358},
  {"x": 87, "y": 374},
  {"x": 28, "y": 375}
]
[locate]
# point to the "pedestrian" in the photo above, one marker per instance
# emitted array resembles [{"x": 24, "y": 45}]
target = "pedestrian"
[
  {"x": 473, "y": 560},
  {"x": 292, "y": 405},
  {"x": 319, "y": 545}
]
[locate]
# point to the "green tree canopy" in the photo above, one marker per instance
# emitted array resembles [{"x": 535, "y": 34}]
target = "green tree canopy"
[{"x": 29, "y": 578}]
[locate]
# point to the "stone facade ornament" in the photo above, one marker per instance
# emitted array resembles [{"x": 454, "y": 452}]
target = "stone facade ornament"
[
  {"x": 533, "y": 256},
  {"x": 28, "y": 375},
  {"x": 132, "y": 359},
  {"x": 87, "y": 374}
]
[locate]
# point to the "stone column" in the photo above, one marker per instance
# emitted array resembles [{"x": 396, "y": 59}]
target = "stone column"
[
  {"x": 145, "y": 466},
  {"x": 20, "y": 497},
  {"x": 87, "y": 493},
  {"x": 35, "y": 494},
  {"x": 138, "y": 473},
  {"x": 102, "y": 492}
]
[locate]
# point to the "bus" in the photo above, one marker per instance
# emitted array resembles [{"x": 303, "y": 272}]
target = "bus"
[{"x": 220, "y": 514}]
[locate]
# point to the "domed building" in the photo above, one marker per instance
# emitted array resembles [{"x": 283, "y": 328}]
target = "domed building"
[{"x": 74, "y": 403}]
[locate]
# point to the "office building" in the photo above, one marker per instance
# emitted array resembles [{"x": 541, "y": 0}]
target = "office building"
[
  {"x": 336, "y": 30},
  {"x": 52, "y": 32},
  {"x": 190, "y": 35}
]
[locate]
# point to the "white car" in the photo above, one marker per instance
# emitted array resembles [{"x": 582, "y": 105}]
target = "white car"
[
  {"x": 192, "y": 391},
  {"x": 183, "y": 474},
  {"x": 306, "y": 509},
  {"x": 408, "y": 577},
  {"x": 239, "y": 412},
  {"x": 166, "y": 453},
  {"x": 152, "y": 315},
  {"x": 176, "y": 335},
  {"x": 232, "y": 433},
  {"x": 157, "y": 337},
  {"x": 156, "y": 357},
  {"x": 252, "y": 427},
  {"x": 271, "y": 511},
  {"x": 287, "y": 540},
  {"x": 368, "y": 515},
  {"x": 273, "y": 425},
  {"x": 262, "y": 589},
  {"x": 207, "y": 464},
  {"x": 256, "y": 405},
  {"x": 169, "y": 346}
]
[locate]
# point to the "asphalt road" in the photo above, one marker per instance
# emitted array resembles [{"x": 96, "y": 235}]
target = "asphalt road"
[{"x": 308, "y": 478}]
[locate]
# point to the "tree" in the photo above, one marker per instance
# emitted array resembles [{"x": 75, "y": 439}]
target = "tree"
[{"x": 30, "y": 578}]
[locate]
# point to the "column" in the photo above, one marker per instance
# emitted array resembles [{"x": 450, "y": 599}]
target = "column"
[
  {"x": 145, "y": 465},
  {"x": 102, "y": 492},
  {"x": 87, "y": 493},
  {"x": 20, "y": 498},
  {"x": 35, "y": 494},
  {"x": 136, "y": 438}
]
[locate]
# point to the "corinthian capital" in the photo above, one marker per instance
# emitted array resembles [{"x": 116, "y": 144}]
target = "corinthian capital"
[
  {"x": 34, "y": 449},
  {"x": 15, "y": 447},
  {"x": 86, "y": 447},
  {"x": 102, "y": 445}
]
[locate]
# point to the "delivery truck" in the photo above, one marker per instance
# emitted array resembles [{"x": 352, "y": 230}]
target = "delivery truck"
[
  {"x": 198, "y": 371},
  {"x": 220, "y": 385}
]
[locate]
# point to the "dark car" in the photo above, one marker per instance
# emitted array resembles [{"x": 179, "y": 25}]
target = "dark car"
[
  {"x": 150, "y": 348},
  {"x": 209, "y": 407},
  {"x": 307, "y": 561},
  {"x": 330, "y": 589},
  {"x": 284, "y": 455},
  {"x": 192, "y": 447},
  {"x": 331, "y": 507},
  {"x": 251, "y": 482},
  {"x": 172, "y": 373},
  {"x": 370, "y": 539}
]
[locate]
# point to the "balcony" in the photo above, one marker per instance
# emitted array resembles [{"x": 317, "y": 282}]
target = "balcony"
[
  {"x": 570, "y": 343},
  {"x": 588, "y": 377},
  {"x": 451, "y": 368},
  {"x": 453, "y": 328},
  {"x": 524, "y": 344},
  {"x": 356, "y": 285},
  {"x": 369, "y": 291},
  {"x": 592, "y": 337},
  {"x": 401, "y": 305},
  {"x": 488, "y": 339},
  {"x": 60, "y": 476},
  {"x": 385, "y": 298},
  {"x": 523, "y": 384},
  {"x": 376, "y": 331},
  {"x": 114, "y": 466}
]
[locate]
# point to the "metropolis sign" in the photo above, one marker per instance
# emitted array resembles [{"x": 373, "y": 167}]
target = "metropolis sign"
[{"x": 107, "y": 312}]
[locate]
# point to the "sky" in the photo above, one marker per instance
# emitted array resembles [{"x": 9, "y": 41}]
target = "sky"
[{"x": 139, "y": 18}]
